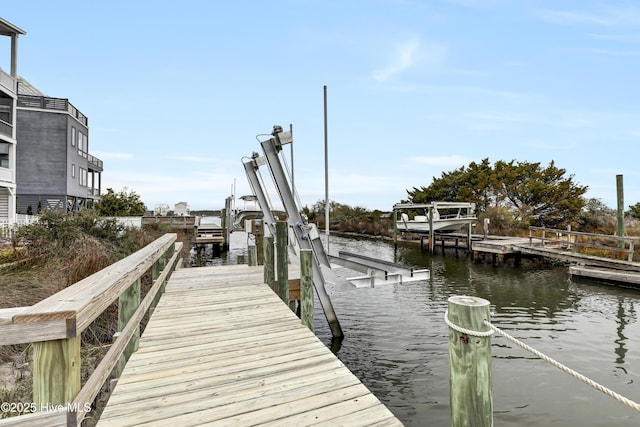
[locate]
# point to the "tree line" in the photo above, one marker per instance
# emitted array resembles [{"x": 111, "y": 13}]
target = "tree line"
[{"x": 512, "y": 195}]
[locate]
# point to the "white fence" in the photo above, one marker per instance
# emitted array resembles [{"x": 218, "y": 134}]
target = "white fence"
[
  {"x": 21, "y": 219},
  {"x": 7, "y": 228}
]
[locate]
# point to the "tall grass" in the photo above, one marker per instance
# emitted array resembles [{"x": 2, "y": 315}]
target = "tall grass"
[{"x": 56, "y": 252}]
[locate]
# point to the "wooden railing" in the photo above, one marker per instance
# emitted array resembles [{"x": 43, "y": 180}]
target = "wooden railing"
[
  {"x": 54, "y": 326},
  {"x": 579, "y": 242}
]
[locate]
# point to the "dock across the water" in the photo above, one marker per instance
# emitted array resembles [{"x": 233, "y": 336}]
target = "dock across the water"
[{"x": 222, "y": 348}]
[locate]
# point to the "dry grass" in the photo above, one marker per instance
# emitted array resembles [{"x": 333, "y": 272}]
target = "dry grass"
[{"x": 84, "y": 247}]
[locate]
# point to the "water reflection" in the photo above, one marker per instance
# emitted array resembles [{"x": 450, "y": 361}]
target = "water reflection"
[{"x": 396, "y": 342}]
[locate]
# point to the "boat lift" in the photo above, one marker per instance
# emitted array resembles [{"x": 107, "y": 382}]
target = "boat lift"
[{"x": 307, "y": 236}]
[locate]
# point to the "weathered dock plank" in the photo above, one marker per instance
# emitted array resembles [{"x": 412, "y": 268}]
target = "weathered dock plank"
[
  {"x": 632, "y": 278},
  {"x": 222, "y": 348}
]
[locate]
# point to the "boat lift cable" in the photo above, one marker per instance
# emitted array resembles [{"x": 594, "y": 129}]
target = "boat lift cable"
[{"x": 494, "y": 329}]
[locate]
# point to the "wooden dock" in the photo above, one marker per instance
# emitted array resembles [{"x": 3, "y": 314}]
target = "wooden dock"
[{"x": 222, "y": 348}]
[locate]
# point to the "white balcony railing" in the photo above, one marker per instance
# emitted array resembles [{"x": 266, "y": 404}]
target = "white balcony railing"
[
  {"x": 7, "y": 81},
  {"x": 7, "y": 175}
]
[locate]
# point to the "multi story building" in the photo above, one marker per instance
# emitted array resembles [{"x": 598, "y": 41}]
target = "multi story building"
[
  {"x": 181, "y": 209},
  {"x": 54, "y": 169},
  {"x": 8, "y": 140},
  {"x": 161, "y": 209}
]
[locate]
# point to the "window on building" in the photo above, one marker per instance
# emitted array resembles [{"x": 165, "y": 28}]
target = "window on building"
[
  {"x": 80, "y": 135},
  {"x": 83, "y": 177},
  {"x": 4, "y": 154},
  {"x": 83, "y": 144},
  {"x": 73, "y": 136},
  {"x": 73, "y": 171},
  {"x": 6, "y": 107}
]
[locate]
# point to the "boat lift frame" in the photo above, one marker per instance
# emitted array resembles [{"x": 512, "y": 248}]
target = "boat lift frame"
[
  {"x": 306, "y": 235},
  {"x": 430, "y": 207}
]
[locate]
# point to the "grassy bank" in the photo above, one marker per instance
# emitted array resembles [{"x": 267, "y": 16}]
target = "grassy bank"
[{"x": 44, "y": 258}]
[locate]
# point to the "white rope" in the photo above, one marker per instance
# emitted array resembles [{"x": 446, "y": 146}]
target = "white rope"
[
  {"x": 463, "y": 330},
  {"x": 599, "y": 387}
]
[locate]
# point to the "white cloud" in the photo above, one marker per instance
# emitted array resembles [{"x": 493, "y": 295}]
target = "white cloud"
[
  {"x": 407, "y": 55},
  {"x": 605, "y": 16}
]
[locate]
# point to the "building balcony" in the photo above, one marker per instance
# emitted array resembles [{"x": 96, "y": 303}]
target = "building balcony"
[
  {"x": 47, "y": 103},
  {"x": 7, "y": 82},
  {"x": 6, "y": 129},
  {"x": 7, "y": 175},
  {"x": 95, "y": 164}
]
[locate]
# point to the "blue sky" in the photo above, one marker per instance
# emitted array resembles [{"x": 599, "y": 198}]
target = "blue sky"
[{"x": 176, "y": 92}]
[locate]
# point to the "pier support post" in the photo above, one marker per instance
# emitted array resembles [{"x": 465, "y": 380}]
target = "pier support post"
[
  {"x": 469, "y": 363},
  {"x": 306, "y": 288},
  {"x": 260, "y": 248},
  {"x": 127, "y": 304},
  {"x": 269, "y": 262},
  {"x": 282, "y": 272},
  {"x": 252, "y": 255}
]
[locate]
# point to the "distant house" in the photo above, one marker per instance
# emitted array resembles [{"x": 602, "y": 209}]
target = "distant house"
[
  {"x": 181, "y": 209},
  {"x": 8, "y": 140},
  {"x": 161, "y": 209},
  {"x": 54, "y": 169}
]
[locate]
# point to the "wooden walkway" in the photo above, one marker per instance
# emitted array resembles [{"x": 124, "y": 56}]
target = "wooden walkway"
[{"x": 221, "y": 348}]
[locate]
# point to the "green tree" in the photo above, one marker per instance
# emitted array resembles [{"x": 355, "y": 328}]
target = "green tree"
[
  {"x": 596, "y": 217},
  {"x": 634, "y": 210},
  {"x": 535, "y": 195},
  {"x": 472, "y": 184},
  {"x": 540, "y": 196},
  {"x": 123, "y": 203}
]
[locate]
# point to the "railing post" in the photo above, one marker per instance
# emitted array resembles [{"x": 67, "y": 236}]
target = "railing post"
[
  {"x": 269, "y": 265},
  {"x": 282, "y": 241},
  {"x": 127, "y": 304},
  {"x": 155, "y": 273},
  {"x": 469, "y": 363},
  {"x": 252, "y": 255},
  {"x": 306, "y": 288},
  {"x": 56, "y": 372},
  {"x": 260, "y": 248}
]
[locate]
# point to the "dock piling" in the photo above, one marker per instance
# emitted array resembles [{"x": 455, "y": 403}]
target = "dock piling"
[
  {"x": 306, "y": 288},
  {"x": 282, "y": 272},
  {"x": 269, "y": 264},
  {"x": 469, "y": 362}
]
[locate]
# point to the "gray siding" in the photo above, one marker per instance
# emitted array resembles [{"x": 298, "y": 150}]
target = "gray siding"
[
  {"x": 73, "y": 158},
  {"x": 41, "y": 160}
]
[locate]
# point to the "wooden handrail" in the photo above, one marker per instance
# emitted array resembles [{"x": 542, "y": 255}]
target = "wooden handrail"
[
  {"x": 91, "y": 388},
  {"x": 54, "y": 326},
  {"x": 80, "y": 303},
  {"x": 575, "y": 244}
]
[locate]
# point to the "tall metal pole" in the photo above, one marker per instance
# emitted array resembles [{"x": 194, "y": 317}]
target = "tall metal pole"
[
  {"x": 293, "y": 181},
  {"x": 326, "y": 172}
]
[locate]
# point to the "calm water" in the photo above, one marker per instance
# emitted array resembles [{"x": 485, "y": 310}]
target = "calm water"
[{"x": 396, "y": 340}]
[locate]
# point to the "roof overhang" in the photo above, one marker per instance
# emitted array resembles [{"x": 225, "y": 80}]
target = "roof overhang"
[{"x": 8, "y": 29}]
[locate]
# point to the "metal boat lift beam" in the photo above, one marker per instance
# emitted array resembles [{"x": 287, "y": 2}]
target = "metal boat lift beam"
[
  {"x": 364, "y": 263},
  {"x": 251, "y": 170},
  {"x": 298, "y": 228}
]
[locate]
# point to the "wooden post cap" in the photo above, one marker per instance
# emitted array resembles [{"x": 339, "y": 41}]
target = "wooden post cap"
[{"x": 468, "y": 301}]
